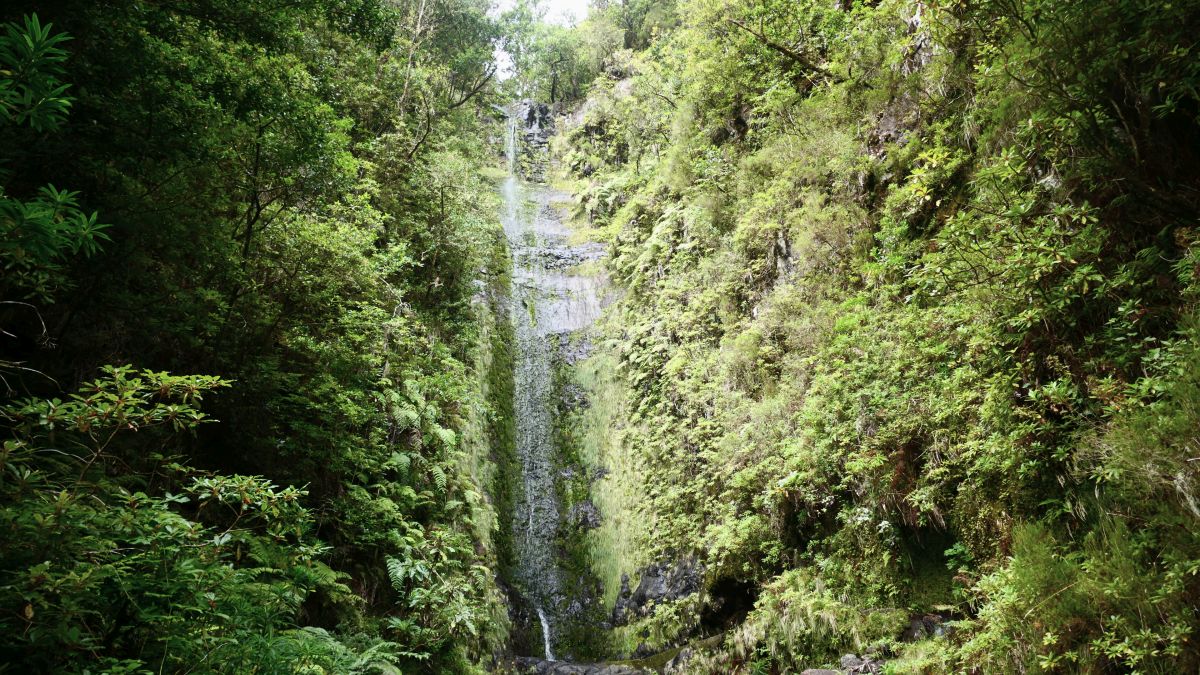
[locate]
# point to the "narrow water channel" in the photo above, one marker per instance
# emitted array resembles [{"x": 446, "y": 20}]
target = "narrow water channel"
[{"x": 550, "y": 301}]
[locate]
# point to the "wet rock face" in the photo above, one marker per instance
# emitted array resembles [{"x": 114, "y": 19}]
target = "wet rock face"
[
  {"x": 535, "y": 127},
  {"x": 538, "y": 118},
  {"x": 572, "y": 351},
  {"x": 557, "y": 255},
  {"x": 659, "y": 583},
  {"x": 572, "y": 398},
  {"x": 555, "y": 604}
]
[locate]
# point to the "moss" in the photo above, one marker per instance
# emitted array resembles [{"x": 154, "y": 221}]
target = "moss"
[
  {"x": 498, "y": 393},
  {"x": 656, "y": 662},
  {"x": 578, "y": 636}
]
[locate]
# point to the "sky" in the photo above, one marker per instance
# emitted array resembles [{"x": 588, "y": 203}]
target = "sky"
[
  {"x": 565, "y": 12},
  {"x": 561, "y": 12}
]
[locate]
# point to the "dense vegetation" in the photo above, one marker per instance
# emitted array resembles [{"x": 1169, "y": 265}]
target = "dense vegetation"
[
  {"x": 285, "y": 199},
  {"x": 907, "y": 329},
  {"x": 904, "y": 327}
]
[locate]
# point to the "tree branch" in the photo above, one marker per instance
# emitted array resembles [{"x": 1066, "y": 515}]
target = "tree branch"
[
  {"x": 796, "y": 57},
  {"x": 487, "y": 76},
  {"x": 429, "y": 115}
]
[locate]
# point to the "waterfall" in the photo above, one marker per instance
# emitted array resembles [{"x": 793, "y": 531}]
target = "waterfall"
[
  {"x": 545, "y": 634},
  {"x": 548, "y": 303}
]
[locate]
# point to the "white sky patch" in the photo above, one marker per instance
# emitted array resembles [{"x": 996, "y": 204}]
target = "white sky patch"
[
  {"x": 566, "y": 12},
  {"x": 561, "y": 12}
]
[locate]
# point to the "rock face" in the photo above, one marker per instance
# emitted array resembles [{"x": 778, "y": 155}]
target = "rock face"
[
  {"x": 659, "y": 583},
  {"x": 535, "y": 128},
  {"x": 572, "y": 397},
  {"x": 532, "y": 666}
]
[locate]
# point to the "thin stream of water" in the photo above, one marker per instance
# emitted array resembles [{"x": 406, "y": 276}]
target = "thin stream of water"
[{"x": 546, "y": 634}]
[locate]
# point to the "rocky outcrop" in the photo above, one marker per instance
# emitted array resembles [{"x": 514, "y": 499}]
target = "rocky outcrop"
[
  {"x": 535, "y": 126},
  {"x": 659, "y": 583},
  {"x": 850, "y": 665},
  {"x": 572, "y": 397}
]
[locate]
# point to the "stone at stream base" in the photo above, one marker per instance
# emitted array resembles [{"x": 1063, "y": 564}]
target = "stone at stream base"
[
  {"x": 821, "y": 671},
  {"x": 853, "y": 664},
  {"x": 535, "y": 666},
  {"x": 850, "y": 661}
]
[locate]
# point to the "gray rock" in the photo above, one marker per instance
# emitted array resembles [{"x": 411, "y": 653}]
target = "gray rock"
[
  {"x": 536, "y": 127},
  {"x": 914, "y": 632},
  {"x": 573, "y": 397},
  {"x": 855, "y": 665},
  {"x": 820, "y": 671},
  {"x": 849, "y": 661}
]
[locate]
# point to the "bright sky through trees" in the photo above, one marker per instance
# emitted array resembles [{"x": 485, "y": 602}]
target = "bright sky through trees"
[{"x": 561, "y": 12}]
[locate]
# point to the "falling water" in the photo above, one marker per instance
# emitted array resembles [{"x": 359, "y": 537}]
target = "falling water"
[
  {"x": 546, "y": 634},
  {"x": 549, "y": 302}
]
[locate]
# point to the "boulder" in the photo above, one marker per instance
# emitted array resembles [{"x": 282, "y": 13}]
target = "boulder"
[
  {"x": 850, "y": 661},
  {"x": 853, "y": 664}
]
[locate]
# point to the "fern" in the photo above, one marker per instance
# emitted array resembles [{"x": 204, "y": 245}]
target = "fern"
[
  {"x": 447, "y": 437},
  {"x": 439, "y": 477},
  {"x": 397, "y": 573},
  {"x": 401, "y": 462}
]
